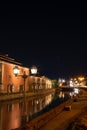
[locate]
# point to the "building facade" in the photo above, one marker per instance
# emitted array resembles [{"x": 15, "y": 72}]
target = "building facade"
[
  {"x": 39, "y": 83},
  {"x": 9, "y": 83}
]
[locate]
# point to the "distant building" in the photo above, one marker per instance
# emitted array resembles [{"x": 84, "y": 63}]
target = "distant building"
[
  {"x": 10, "y": 83},
  {"x": 39, "y": 83}
]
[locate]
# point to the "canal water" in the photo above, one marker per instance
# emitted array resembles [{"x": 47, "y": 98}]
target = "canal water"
[{"x": 12, "y": 113}]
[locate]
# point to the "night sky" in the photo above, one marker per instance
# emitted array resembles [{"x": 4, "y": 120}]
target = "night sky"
[{"x": 52, "y": 38}]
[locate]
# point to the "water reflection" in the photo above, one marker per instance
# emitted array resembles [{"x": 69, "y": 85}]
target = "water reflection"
[
  {"x": 61, "y": 94},
  {"x": 10, "y": 116},
  {"x": 38, "y": 104},
  {"x": 13, "y": 112}
]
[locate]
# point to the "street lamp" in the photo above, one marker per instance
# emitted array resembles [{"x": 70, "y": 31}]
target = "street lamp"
[
  {"x": 33, "y": 70},
  {"x": 16, "y": 71},
  {"x": 24, "y": 76}
]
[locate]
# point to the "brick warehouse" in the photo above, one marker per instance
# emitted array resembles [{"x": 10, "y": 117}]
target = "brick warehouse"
[{"x": 9, "y": 83}]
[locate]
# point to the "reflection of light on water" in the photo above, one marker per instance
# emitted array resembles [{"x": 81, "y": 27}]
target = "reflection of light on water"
[
  {"x": 76, "y": 90},
  {"x": 37, "y": 102},
  {"x": 71, "y": 94},
  {"x": 61, "y": 94},
  {"x": 74, "y": 93},
  {"x": 48, "y": 99},
  {"x": 14, "y": 110}
]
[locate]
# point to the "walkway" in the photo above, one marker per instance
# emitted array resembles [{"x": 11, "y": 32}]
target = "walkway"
[{"x": 63, "y": 120}]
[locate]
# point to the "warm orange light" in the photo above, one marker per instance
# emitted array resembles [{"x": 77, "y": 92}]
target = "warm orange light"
[
  {"x": 81, "y": 78},
  {"x": 16, "y": 70},
  {"x": 60, "y": 84},
  {"x": 74, "y": 78},
  {"x": 34, "y": 70}
]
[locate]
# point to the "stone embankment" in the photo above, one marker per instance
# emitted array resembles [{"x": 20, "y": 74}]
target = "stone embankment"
[
  {"x": 13, "y": 96},
  {"x": 80, "y": 123},
  {"x": 75, "y": 119}
]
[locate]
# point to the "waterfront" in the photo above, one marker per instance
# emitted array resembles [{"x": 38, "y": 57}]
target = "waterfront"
[
  {"x": 12, "y": 112},
  {"x": 75, "y": 119}
]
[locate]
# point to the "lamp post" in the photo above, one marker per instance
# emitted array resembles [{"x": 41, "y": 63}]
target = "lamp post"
[{"x": 24, "y": 76}]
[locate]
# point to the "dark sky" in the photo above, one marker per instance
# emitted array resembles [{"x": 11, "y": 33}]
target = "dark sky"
[{"x": 51, "y": 37}]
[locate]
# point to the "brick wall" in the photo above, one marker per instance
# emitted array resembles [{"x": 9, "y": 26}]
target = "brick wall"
[{"x": 9, "y": 78}]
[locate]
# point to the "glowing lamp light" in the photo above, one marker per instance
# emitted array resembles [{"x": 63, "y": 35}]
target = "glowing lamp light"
[
  {"x": 16, "y": 70},
  {"x": 81, "y": 78},
  {"x": 34, "y": 70}
]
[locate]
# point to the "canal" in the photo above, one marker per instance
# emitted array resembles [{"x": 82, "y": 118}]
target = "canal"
[{"x": 16, "y": 112}]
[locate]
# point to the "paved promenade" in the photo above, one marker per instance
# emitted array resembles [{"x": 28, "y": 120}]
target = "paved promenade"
[{"x": 63, "y": 120}]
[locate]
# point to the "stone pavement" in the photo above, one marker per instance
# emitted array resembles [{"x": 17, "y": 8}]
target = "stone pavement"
[{"x": 63, "y": 120}]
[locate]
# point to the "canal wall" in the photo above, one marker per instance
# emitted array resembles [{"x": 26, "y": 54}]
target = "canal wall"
[{"x": 13, "y": 96}]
